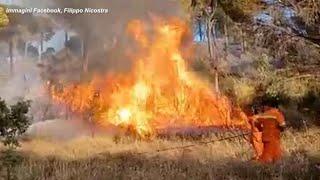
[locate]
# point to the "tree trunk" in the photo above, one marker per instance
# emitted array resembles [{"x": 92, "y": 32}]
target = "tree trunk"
[
  {"x": 243, "y": 43},
  {"x": 226, "y": 34},
  {"x": 85, "y": 56},
  {"x": 210, "y": 43},
  {"x": 39, "y": 53},
  {"x": 26, "y": 50},
  {"x": 11, "y": 57},
  {"x": 9, "y": 172},
  {"x": 40, "y": 48},
  {"x": 66, "y": 37},
  {"x": 41, "y": 41},
  {"x": 209, "y": 40},
  {"x": 200, "y": 30},
  {"x": 216, "y": 81},
  {"x": 215, "y": 58},
  {"x": 226, "y": 44}
]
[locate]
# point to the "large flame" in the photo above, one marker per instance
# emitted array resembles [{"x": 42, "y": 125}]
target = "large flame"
[{"x": 160, "y": 91}]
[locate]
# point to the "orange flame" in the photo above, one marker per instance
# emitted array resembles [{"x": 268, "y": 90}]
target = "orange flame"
[{"x": 158, "y": 92}]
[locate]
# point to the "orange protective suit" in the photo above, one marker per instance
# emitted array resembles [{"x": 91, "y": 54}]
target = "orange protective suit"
[
  {"x": 266, "y": 128},
  {"x": 256, "y": 139}
]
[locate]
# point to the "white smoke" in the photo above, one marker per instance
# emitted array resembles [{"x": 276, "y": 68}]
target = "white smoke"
[{"x": 27, "y": 83}]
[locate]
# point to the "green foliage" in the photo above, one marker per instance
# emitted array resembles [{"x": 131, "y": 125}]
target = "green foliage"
[
  {"x": 240, "y": 90},
  {"x": 4, "y": 20},
  {"x": 13, "y": 122},
  {"x": 10, "y": 159},
  {"x": 292, "y": 88},
  {"x": 309, "y": 105},
  {"x": 17, "y": 26},
  {"x": 274, "y": 84},
  {"x": 308, "y": 10},
  {"x": 244, "y": 91},
  {"x": 201, "y": 67},
  {"x": 185, "y": 5},
  {"x": 240, "y": 10},
  {"x": 4, "y": 111}
]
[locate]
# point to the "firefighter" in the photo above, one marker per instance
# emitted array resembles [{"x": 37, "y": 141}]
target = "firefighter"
[
  {"x": 267, "y": 126},
  {"x": 256, "y": 138},
  {"x": 256, "y": 135}
]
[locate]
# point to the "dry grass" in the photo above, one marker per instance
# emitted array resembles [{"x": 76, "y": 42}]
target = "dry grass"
[{"x": 103, "y": 158}]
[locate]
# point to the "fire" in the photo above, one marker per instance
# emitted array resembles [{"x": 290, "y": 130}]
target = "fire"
[
  {"x": 160, "y": 91},
  {"x": 124, "y": 115}
]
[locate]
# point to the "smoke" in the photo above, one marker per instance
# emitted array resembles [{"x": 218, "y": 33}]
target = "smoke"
[
  {"x": 25, "y": 83},
  {"x": 58, "y": 129},
  {"x": 102, "y": 39},
  {"x": 104, "y": 36}
]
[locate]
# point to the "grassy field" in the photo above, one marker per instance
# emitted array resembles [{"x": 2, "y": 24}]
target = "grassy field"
[{"x": 110, "y": 158}]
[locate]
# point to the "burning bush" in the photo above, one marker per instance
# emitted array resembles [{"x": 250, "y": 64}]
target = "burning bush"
[{"x": 159, "y": 92}]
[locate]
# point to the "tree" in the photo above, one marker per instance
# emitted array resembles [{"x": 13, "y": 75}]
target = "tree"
[
  {"x": 13, "y": 123},
  {"x": 291, "y": 33},
  {"x": 306, "y": 16},
  {"x": 4, "y": 20},
  {"x": 82, "y": 24},
  {"x": 42, "y": 26},
  {"x": 206, "y": 10},
  {"x": 98, "y": 32},
  {"x": 23, "y": 27}
]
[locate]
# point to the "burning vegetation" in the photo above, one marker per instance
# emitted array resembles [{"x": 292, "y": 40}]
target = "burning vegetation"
[
  {"x": 159, "y": 91},
  {"x": 128, "y": 72}
]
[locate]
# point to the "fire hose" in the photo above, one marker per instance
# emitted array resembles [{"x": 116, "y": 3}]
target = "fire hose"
[
  {"x": 243, "y": 135},
  {"x": 201, "y": 143}
]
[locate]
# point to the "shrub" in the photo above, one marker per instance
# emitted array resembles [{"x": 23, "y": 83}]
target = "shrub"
[{"x": 13, "y": 122}]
